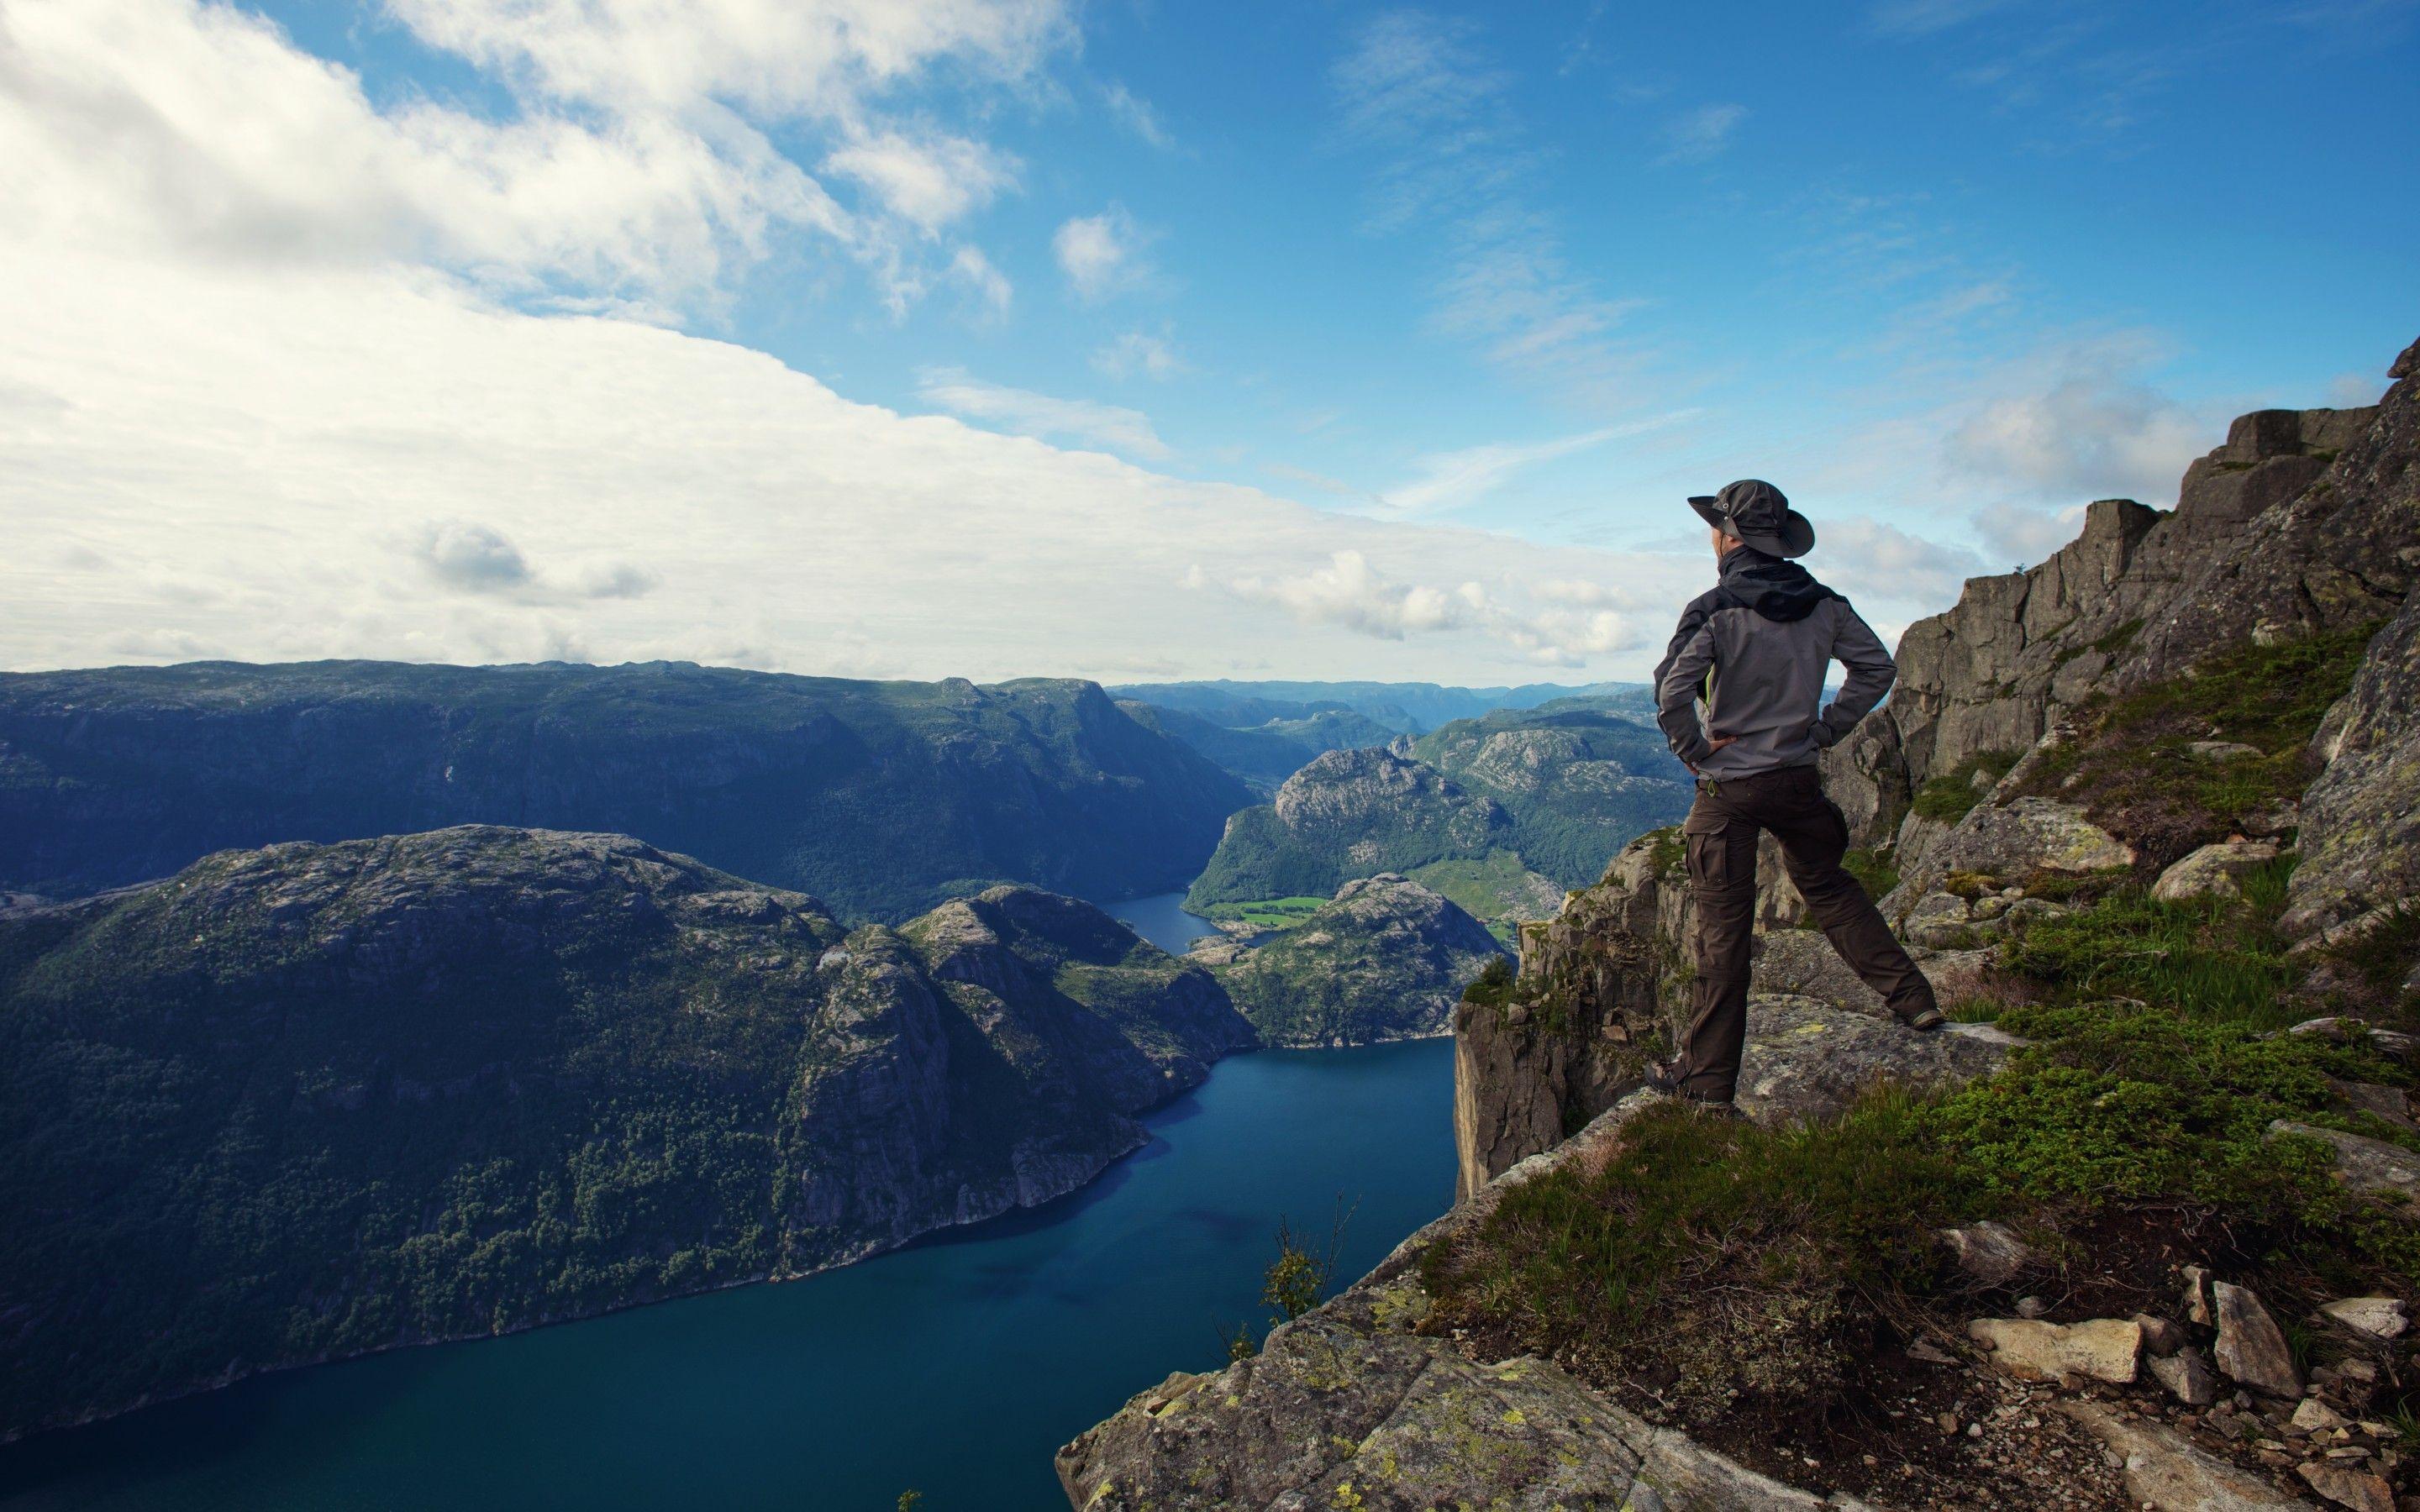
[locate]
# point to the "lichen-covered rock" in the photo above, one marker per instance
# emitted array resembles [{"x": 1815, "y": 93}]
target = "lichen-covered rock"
[
  {"x": 2187, "y": 1376},
  {"x": 1802, "y": 963},
  {"x": 2250, "y": 1348},
  {"x": 2214, "y": 871},
  {"x": 2360, "y": 831},
  {"x": 1386, "y": 959},
  {"x": 2105, "y": 1348},
  {"x": 2371, "y": 1167},
  {"x": 2012, "y": 840},
  {"x": 1807, "y": 1060},
  {"x": 2165, "y": 1471},
  {"x": 2381, "y": 1318}
]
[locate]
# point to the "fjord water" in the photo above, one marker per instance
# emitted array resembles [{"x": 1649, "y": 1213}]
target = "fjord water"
[{"x": 955, "y": 1366}]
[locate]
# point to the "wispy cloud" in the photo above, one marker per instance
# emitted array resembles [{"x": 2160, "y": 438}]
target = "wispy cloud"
[
  {"x": 1102, "y": 255},
  {"x": 1137, "y": 114},
  {"x": 1351, "y": 595},
  {"x": 1137, "y": 353},
  {"x": 1450, "y": 480},
  {"x": 974, "y": 272},
  {"x": 1026, "y": 414},
  {"x": 1455, "y": 161},
  {"x": 929, "y": 181},
  {"x": 472, "y": 558},
  {"x": 1701, "y": 134}
]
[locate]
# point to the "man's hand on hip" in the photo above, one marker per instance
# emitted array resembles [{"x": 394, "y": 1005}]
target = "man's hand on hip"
[{"x": 1713, "y": 744}]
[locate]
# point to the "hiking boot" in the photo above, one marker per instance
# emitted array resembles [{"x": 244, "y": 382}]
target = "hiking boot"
[
  {"x": 1661, "y": 1076},
  {"x": 1926, "y": 1019}
]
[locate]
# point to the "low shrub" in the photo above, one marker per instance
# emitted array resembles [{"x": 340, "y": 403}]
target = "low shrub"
[{"x": 1948, "y": 796}]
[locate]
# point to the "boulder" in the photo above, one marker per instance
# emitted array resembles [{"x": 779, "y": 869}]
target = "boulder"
[
  {"x": 2379, "y": 1318},
  {"x": 2371, "y": 1167},
  {"x": 2250, "y": 1348},
  {"x": 2213, "y": 871},
  {"x": 2165, "y": 1471},
  {"x": 1807, "y": 1060},
  {"x": 2187, "y": 1375},
  {"x": 2348, "y": 1486},
  {"x": 2161, "y": 1337},
  {"x": 1802, "y": 963},
  {"x": 2312, "y": 1415},
  {"x": 2016, "y": 838},
  {"x": 1989, "y": 1253},
  {"x": 2105, "y": 1349},
  {"x": 2343, "y": 1029}
]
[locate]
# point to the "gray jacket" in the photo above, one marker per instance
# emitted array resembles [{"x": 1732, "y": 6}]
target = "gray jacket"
[{"x": 1751, "y": 655}]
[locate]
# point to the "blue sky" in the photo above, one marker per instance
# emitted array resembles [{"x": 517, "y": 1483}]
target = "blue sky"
[{"x": 1406, "y": 329}]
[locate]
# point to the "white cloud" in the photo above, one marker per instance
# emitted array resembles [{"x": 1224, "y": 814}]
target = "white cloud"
[
  {"x": 974, "y": 272},
  {"x": 1448, "y": 480},
  {"x": 1125, "y": 431},
  {"x": 1347, "y": 593},
  {"x": 1102, "y": 255},
  {"x": 248, "y": 464},
  {"x": 776, "y": 58},
  {"x": 1137, "y": 114},
  {"x": 2020, "y": 537},
  {"x": 1701, "y": 134},
  {"x": 2086, "y": 429},
  {"x": 468, "y": 557},
  {"x": 634, "y": 171},
  {"x": 927, "y": 181},
  {"x": 1135, "y": 352},
  {"x": 1869, "y": 559}
]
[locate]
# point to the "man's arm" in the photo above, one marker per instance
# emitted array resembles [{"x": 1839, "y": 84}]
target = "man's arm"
[
  {"x": 1855, "y": 646},
  {"x": 1678, "y": 678}
]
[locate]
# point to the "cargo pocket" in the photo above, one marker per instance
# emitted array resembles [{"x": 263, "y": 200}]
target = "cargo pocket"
[{"x": 1704, "y": 840}]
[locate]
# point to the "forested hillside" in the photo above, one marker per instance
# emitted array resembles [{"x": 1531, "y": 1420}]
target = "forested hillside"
[
  {"x": 881, "y": 798},
  {"x": 313, "y": 1101}
]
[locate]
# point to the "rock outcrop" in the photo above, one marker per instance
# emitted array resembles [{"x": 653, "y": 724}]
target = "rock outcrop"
[
  {"x": 1346, "y": 1405},
  {"x": 311, "y": 1101},
  {"x": 1385, "y": 959}
]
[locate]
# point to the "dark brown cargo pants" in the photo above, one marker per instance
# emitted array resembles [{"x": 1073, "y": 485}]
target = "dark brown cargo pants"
[{"x": 1720, "y": 834}]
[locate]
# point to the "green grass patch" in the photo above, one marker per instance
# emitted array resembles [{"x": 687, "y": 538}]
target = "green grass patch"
[
  {"x": 2131, "y": 762},
  {"x": 1267, "y": 913},
  {"x": 1499, "y": 888},
  {"x": 1875, "y": 870},
  {"x": 1950, "y": 796}
]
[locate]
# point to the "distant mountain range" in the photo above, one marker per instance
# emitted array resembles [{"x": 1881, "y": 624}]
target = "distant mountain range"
[
  {"x": 880, "y": 798},
  {"x": 1403, "y": 708},
  {"x": 314, "y": 1101}
]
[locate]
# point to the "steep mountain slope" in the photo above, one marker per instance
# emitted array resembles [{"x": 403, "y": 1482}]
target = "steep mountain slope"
[
  {"x": 879, "y": 798},
  {"x": 1580, "y": 781},
  {"x": 1263, "y": 754},
  {"x": 311, "y": 1101},
  {"x": 1385, "y": 959},
  {"x": 1500, "y": 814},
  {"x": 1355, "y": 813}
]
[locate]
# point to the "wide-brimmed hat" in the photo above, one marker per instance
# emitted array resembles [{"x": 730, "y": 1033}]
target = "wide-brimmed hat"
[{"x": 1754, "y": 511}]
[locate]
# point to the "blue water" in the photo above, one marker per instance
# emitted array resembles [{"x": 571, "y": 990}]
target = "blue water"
[
  {"x": 955, "y": 1366},
  {"x": 1161, "y": 919}
]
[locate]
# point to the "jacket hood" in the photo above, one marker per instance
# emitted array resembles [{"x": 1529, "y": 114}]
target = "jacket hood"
[{"x": 1778, "y": 590}]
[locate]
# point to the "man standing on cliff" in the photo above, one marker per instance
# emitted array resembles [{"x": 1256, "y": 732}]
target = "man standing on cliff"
[{"x": 1740, "y": 695}]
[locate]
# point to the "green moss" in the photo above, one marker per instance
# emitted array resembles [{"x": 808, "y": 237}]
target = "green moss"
[
  {"x": 1267, "y": 913},
  {"x": 1670, "y": 855},
  {"x": 1874, "y": 870},
  {"x": 2130, "y": 761},
  {"x": 1948, "y": 796}
]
